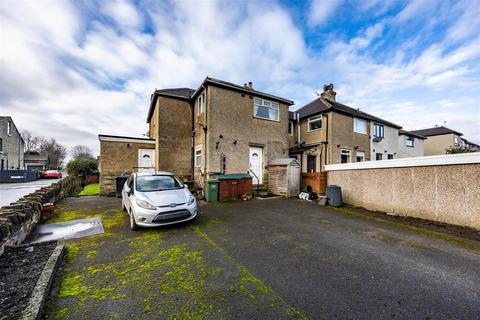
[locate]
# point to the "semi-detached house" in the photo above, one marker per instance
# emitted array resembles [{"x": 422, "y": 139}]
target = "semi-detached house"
[
  {"x": 327, "y": 132},
  {"x": 219, "y": 127}
]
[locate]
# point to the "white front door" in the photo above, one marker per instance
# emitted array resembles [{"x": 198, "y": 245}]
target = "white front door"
[
  {"x": 146, "y": 160},
  {"x": 256, "y": 164}
]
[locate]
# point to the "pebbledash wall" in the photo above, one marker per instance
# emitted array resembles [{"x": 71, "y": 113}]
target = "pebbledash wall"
[{"x": 443, "y": 188}]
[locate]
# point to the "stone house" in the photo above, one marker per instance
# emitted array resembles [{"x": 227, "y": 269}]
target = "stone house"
[
  {"x": 220, "y": 127},
  {"x": 410, "y": 144},
  {"x": 121, "y": 155},
  {"x": 11, "y": 145},
  {"x": 34, "y": 161},
  {"x": 327, "y": 132},
  {"x": 441, "y": 138}
]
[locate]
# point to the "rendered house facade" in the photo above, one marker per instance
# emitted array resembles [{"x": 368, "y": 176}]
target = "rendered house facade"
[
  {"x": 440, "y": 138},
  {"x": 327, "y": 132},
  {"x": 410, "y": 144},
  {"x": 220, "y": 127}
]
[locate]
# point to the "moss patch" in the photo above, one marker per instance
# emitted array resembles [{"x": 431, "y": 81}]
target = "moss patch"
[{"x": 91, "y": 189}]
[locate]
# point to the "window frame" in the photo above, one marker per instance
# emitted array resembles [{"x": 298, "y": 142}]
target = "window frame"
[
  {"x": 196, "y": 164},
  {"x": 360, "y": 154},
  {"x": 409, "y": 138},
  {"x": 376, "y": 156},
  {"x": 355, "y": 125},
  {"x": 315, "y": 118},
  {"x": 346, "y": 152},
  {"x": 263, "y": 105},
  {"x": 201, "y": 104},
  {"x": 378, "y": 125},
  {"x": 290, "y": 128}
]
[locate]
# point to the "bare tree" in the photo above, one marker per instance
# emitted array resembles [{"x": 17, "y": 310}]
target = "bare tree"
[
  {"x": 55, "y": 152},
  {"x": 81, "y": 152},
  {"x": 32, "y": 143}
]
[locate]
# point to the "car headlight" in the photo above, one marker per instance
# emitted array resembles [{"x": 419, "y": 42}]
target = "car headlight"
[
  {"x": 191, "y": 200},
  {"x": 145, "y": 205}
]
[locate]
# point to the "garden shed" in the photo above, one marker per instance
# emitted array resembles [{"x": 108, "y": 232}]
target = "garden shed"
[{"x": 284, "y": 177}]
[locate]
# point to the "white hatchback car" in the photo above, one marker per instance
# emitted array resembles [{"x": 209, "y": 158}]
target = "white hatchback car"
[{"x": 157, "y": 199}]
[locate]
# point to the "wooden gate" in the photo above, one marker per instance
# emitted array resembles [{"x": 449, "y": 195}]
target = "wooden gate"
[{"x": 316, "y": 180}]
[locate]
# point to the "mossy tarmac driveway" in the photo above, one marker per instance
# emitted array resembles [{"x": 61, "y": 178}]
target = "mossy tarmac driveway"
[{"x": 261, "y": 259}]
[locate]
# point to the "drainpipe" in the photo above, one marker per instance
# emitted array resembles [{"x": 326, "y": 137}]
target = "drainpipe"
[
  {"x": 192, "y": 158},
  {"x": 205, "y": 135},
  {"x": 298, "y": 127}
]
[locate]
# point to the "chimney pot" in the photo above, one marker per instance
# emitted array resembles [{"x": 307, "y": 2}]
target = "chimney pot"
[
  {"x": 250, "y": 84},
  {"x": 328, "y": 92}
]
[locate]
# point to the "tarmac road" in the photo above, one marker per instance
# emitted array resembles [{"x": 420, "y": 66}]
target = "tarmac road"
[{"x": 11, "y": 192}]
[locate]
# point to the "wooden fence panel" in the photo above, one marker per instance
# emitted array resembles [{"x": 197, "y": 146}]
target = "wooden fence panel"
[{"x": 316, "y": 180}]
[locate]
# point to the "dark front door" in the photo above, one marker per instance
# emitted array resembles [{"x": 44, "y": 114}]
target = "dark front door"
[{"x": 311, "y": 163}]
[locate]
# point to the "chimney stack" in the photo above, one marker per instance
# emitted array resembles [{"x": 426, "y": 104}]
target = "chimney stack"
[{"x": 328, "y": 92}]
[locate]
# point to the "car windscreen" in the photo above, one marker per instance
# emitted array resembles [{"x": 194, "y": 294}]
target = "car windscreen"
[{"x": 157, "y": 183}]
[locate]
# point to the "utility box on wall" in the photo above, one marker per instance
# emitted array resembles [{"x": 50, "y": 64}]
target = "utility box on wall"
[{"x": 284, "y": 177}]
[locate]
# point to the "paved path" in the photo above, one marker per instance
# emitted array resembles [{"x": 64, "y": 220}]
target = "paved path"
[
  {"x": 263, "y": 259},
  {"x": 11, "y": 192}
]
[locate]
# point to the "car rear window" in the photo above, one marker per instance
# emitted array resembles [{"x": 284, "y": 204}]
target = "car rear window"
[{"x": 157, "y": 183}]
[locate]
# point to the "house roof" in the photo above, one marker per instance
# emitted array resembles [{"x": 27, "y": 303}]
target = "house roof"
[
  {"x": 283, "y": 162},
  {"x": 176, "y": 93},
  {"x": 239, "y": 88},
  {"x": 322, "y": 105},
  {"x": 190, "y": 94},
  {"x": 409, "y": 133},
  {"x": 470, "y": 143},
  {"x": 106, "y": 137},
  {"x": 435, "y": 131}
]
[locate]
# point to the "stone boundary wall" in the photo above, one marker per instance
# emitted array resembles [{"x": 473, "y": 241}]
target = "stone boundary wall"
[
  {"x": 440, "y": 188},
  {"x": 19, "y": 218}
]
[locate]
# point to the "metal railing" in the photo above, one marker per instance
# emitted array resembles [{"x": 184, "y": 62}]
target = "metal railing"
[{"x": 258, "y": 182}]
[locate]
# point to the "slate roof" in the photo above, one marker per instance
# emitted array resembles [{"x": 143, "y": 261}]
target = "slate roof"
[
  {"x": 322, "y": 105},
  {"x": 190, "y": 94},
  {"x": 435, "y": 131},
  {"x": 409, "y": 133},
  {"x": 177, "y": 93},
  {"x": 239, "y": 88},
  {"x": 283, "y": 161}
]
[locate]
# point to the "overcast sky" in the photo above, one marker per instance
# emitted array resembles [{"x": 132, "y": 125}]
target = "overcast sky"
[{"x": 73, "y": 70}]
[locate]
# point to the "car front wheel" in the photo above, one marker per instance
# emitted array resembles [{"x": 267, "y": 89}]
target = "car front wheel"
[{"x": 133, "y": 224}]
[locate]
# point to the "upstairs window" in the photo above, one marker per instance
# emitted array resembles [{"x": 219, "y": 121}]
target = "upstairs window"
[
  {"x": 359, "y": 126},
  {"x": 201, "y": 104},
  {"x": 264, "y": 109},
  {"x": 378, "y": 131},
  {"x": 198, "y": 157},
  {"x": 1, "y": 144},
  {"x": 409, "y": 141},
  {"x": 314, "y": 123},
  {"x": 379, "y": 156},
  {"x": 9, "y": 128},
  {"x": 290, "y": 128}
]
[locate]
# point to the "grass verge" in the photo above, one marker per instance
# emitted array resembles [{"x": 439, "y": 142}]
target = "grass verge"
[{"x": 91, "y": 189}]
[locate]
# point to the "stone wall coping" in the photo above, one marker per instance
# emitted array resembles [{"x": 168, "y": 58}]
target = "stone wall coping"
[{"x": 440, "y": 160}]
